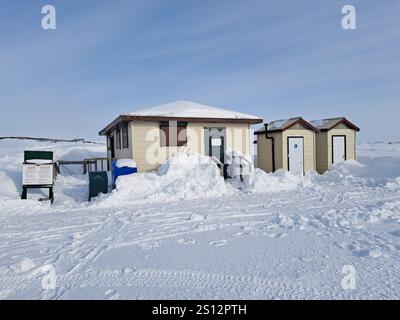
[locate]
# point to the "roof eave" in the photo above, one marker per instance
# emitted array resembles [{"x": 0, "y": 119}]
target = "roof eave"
[
  {"x": 269, "y": 131},
  {"x": 122, "y": 118},
  {"x": 114, "y": 123},
  {"x": 305, "y": 123},
  {"x": 195, "y": 119},
  {"x": 300, "y": 120},
  {"x": 345, "y": 121}
]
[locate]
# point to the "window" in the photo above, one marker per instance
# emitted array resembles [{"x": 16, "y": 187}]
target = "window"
[
  {"x": 173, "y": 133},
  {"x": 118, "y": 138},
  {"x": 125, "y": 141}
]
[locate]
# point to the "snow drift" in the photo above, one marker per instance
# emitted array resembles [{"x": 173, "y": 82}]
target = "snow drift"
[
  {"x": 8, "y": 188},
  {"x": 375, "y": 172},
  {"x": 183, "y": 176},
  {"x": 280, "y": 180},
  {"x": 257, "y": 180}
]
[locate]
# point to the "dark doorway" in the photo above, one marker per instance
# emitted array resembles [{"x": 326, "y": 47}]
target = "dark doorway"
[
  {"x": 215, "y": 143},
  {"x": 112, "y": 147}
]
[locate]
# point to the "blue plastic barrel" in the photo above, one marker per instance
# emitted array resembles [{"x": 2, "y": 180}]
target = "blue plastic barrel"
[{"x": 120, "y": 171}]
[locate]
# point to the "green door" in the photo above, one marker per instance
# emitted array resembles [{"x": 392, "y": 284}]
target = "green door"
[{"x": 215, "y": 143}]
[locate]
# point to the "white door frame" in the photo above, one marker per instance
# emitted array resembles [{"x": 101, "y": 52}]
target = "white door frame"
[
  {"x": 333, "y": 147},
  {"x": 288, "y": 150}
]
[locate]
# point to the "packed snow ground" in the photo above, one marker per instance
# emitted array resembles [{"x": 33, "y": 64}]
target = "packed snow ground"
[{"x": 275, "y": 236}]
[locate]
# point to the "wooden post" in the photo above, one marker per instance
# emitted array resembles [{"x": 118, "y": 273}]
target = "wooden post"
[
  {"x": 24, "y": 192},
  {"x": 51, "y": 195}
]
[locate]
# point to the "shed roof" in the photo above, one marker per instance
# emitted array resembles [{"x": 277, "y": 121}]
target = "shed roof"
[
  {"x": 284, "y": 124},
  {"x": 328, "y": 124},
  {"x": 185, "y": 111}
]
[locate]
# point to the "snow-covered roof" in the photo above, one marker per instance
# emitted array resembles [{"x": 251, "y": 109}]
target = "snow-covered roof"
[
  {"x": 183, "y": 111},
  {"x": 188, "y": 109},
  {"x": 327, "y": 124},
  {"x": 283, "y": 124}
]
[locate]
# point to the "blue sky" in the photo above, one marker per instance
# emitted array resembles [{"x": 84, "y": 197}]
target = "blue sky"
[{"x": 274, "y": 59}]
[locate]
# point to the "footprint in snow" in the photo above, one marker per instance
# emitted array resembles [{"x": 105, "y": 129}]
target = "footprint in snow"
[
  {"x": 277, "y": 235},
  {"x": 221, "y": 242},
  {"x": 128, "y": 270},
  {"x": 24, "y": 266},
  {"x": 150, "y": 245},
  {"x": 375, "y": 253},
  {"x": 241, "y": 234},
  {"x": 197, "y": 217},
  {"x": 364, "y": 253},
  {"x": 185, "y": 241},
  {"x": 111, "y": 295}
]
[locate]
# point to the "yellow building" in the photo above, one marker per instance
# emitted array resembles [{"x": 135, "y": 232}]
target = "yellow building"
[
  {"x": 287, "y": 144},
  {"x": 335, "y": 141},
  {"x": 150, "y": 136}
]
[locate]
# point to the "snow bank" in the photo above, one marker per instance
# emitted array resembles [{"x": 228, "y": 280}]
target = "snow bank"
[
  {"x": 378, "y": 168},
  {"x": 381, "y": 172},
  {"x": 183, "y": 176},
  {"x": 280, "y": 180},
  {"x": 8, "y": 188},
  {"x": 235, "y": 159},
  {"x": 375, "y": 168},
  {"x": 376, "y": 172},
  {"x": 257, "y": 180}
]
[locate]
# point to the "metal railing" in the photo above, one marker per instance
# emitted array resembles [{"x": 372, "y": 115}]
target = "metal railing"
[
  {"x": 242, "y": 158},
  {"x": 96, "y": 163},
  {"x": 88, "y": 165},
  {"x": 251, "y": 165},
  {"x": 219, "y": 164}
]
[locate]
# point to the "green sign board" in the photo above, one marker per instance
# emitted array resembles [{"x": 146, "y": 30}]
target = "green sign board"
[{"x": 38, "y": 155}]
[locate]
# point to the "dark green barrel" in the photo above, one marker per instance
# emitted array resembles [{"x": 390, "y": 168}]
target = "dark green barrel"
[{"x": 98, "y": 183}]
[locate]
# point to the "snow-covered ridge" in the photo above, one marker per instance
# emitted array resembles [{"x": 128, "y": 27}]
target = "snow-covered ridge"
[{"x": 188, "y": 109}]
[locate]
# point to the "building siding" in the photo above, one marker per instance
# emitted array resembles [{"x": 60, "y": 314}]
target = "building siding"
[
  {"x": 263, "y": 153},
  {"x": 145, "y": 137},
  {"x": 148, "y": 153},
  {"x": 321, "y": 151},
  {"x": 324, "y": 146},
  {"x": 122, "y": 153},
  {"x": 264, "y": 149}
]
